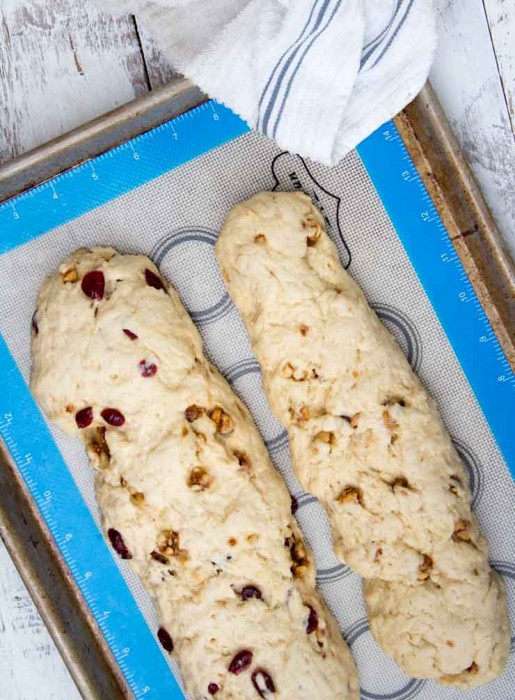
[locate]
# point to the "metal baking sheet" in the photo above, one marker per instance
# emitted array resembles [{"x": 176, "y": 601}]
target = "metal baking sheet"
[{"x": 466, "y": 221}]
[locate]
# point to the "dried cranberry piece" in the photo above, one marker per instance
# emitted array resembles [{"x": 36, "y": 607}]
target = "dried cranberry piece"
[
  {"x": 213, "y": 688},
  {"x": 165, "y": 639},
  {"x": 240, "y": 662},
  {"x": 153, "y": 280},
  {"x": 118, "y": 544},
  {"x": 93, "y": 284},
  {"x": 34, "y": 323},
  {"x": 312, "y": 620},
  {"x": 147, "y": 369},
  {"x": 262, "y": 682},
  {"x": 113, "y": 416},
  {"x": 248, "y": 592},
  {"x": 294, "y": 505},
  {"x": 130, "y": 334},
  {"x": 84, "y": 417}
]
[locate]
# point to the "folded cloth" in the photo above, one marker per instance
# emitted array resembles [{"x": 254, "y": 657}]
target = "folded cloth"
[{"x": 318, "y": 76}]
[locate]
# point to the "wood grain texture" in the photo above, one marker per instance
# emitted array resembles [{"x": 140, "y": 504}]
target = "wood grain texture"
[
  {"x": 30, "y": 665},
  {"x": 501, "y": 21},
  {"x": 62, "y": 62},
  {"x": 158, "y": 68},
  {"x": 467, "y": 82}
]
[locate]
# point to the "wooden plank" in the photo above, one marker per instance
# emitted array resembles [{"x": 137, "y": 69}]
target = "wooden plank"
[
  {"x": 158, "y": 68},
  {"x": 501, "y": 21},
  {"x": 62, "y": 62},
  {"x": 29, "y": 662},
  {"x": 466, "y": 80}
]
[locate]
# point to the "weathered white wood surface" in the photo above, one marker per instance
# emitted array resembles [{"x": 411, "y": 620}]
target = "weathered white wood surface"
[
  {"x": 30, "y": 666},
  {"x": 501, "y": 20},
  {"x": 62, "y": 63},
  {"x": 467, "y": 81},
  {"x": 158, "y": 69}
]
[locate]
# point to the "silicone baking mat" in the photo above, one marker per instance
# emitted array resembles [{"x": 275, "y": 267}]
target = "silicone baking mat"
[{"x": 166, "y": 194}]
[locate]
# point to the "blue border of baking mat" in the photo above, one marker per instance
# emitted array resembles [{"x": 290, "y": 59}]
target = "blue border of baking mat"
[{"x": 142, "y": 159}]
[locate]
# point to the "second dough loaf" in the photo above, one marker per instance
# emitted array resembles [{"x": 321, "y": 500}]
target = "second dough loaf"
[
  {"x": 367, "y": 440},
  {"x": 187, "y": 492}
]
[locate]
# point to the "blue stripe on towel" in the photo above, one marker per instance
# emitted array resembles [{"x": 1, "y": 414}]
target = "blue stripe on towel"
[
  {"x": 397, "y": 29},
  {"x": 299, "y": 65},
  {"x": 273, "y": 98},
  {"x": 279, "y": 62},
  {"x": 369, "y": 49}
]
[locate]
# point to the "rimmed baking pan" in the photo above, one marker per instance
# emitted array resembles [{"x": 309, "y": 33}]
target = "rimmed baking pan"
[{"x": 417, "y": 149}]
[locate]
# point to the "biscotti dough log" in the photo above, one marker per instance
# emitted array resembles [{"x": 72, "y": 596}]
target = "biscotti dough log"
[
  {"x": 184, "y": 484},
  {"x": 366, "y": 440}
]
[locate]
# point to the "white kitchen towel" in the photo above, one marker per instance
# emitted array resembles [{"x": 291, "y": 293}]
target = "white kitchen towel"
[{"x": 317, "y": 76}]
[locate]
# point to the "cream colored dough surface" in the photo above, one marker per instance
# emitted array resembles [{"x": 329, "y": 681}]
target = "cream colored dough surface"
[
  {"x": 367, "y": 440},
  {"x": 185, "y": 484}
]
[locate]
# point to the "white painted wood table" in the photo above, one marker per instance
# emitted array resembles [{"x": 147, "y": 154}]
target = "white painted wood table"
[{"x": 63, "y": 63}]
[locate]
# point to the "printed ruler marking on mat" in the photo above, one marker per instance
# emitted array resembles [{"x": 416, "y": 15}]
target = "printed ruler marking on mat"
[
  {"x": 445, "y": 281},
  {"x": 81, "y": 543},
  {"x": 143, "y": 158}
]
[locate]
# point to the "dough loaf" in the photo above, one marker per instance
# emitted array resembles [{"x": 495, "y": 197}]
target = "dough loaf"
[
  {"x": 185, "y": 487},
  {"x": 367, "y": 441}
]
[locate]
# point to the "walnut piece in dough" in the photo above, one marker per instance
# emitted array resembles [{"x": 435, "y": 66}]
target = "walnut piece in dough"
[
  {"x": 186, "y": 490},
  {"x": 366, "y": 440}
]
